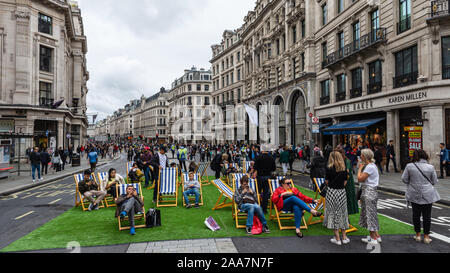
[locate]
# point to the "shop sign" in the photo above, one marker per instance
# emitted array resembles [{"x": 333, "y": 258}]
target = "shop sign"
[
  {"x": 316, "y": 129},
  {"x": 364, "y": 105},
  {"x": 415, "y": 141},
  {"x": 408, "y": 97}
]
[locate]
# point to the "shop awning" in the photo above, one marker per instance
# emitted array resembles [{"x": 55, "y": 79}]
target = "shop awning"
[{"x": 358, "y": 127}]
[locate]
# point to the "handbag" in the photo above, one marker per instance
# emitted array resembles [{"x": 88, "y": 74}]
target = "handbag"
[
  {"x": 323, "y": 190},
  {"x": 257, "y": 226},
  {"x": 153, "y": 218}
]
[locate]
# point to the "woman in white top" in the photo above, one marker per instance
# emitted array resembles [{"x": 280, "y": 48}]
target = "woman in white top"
[
  {"x": 111, "y": 181},
  {"x": 369, "y": 178}
]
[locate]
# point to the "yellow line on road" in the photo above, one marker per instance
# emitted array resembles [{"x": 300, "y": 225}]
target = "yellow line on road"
[
  {"x": 55, "y": 201},
  {"x": 26, "y": 214}
]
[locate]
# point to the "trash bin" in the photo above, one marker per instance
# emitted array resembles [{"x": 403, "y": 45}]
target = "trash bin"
[{"x": 76, "y": 160}]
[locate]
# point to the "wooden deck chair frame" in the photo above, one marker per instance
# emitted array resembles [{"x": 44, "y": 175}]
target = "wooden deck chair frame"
[
  {"x": 169, "y": 199},
  {"x": 225, "y": 192},
  {"x": 203, "y": 176},
  {"x": 281, "y": 216},
  {"x": 321, "y": 205},
  {"x": 109, "y": 199},
  {"x": 236, "y": 213},
  {"x": 137, "y": 217},
  {"x": 191, "y": 197},
  {"x": 80, "y": 200}
]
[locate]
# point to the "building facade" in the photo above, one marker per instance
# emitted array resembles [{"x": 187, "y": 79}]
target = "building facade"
[
  {"x": 43, "y": 72},
  {"x": 189, "y": 101}
]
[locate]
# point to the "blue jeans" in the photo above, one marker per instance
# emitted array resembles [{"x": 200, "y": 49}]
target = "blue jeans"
[
  {"x": 250, "y": 209},
  {"x": 33, "y": 169},
  {"x": 296, "y": 205},
  {"x": 147, "y": 176},
  {"x": 189, "y": 192}
]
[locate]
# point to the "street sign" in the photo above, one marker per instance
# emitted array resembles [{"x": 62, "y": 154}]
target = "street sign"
[
  {"x": 315, "y": 120},
  {"x": 316, "y": 129},
  {"x": 311, "y": 115}
]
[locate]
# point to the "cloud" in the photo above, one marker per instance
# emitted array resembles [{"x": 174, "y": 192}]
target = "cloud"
[{"x": 135, "y": 47}]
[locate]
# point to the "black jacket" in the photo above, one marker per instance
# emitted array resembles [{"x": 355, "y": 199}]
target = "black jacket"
[
  {"x": 45, "y": 158},
  {"x": 378, "y": 156},
  {"x": 265, "y": 165},
  {"x": 35, "y": 158},
  {"x": 318, "y": 167},
  {"x": 390, "y": 150}
]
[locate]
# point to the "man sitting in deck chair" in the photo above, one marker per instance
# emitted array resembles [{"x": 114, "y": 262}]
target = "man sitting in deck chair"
[
  {"x": 129, "y": 204},
  {"x": 88, "y": 188},
  {"x": 191, "y": 187},
  {"x": 247, "y": 201}
]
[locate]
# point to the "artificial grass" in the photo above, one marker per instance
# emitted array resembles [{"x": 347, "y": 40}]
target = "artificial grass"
[{"x": 100, "y": 228}]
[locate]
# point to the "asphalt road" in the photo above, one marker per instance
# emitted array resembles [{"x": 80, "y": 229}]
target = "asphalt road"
[{"x": 25, "y": 211}]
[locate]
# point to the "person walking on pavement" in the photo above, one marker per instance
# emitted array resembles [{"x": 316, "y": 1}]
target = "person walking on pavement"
[
  {"x": 63, "y": 155},
  {"x": 35, "y": 160},
  {"x": 390, "y": 155},
  {"x": 264, "y": 166},
  {"x": 284, "y": 160},
  {"x": 444, "y": 159},
  {"x": 182, "y": 156},
  {"x": 45, "y": 160},
  {"x": 378, "y": 158},
  {"x": 159, "y": 162},
  {"x": 420, "y": 178},
  {"x": 93, "y": 159}
]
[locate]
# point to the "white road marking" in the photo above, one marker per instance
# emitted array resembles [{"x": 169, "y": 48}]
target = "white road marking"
[
  {"x": 55, "y": 201},
  {"x": 26, "y": 214},
  {"x": 433, "y": 234}
]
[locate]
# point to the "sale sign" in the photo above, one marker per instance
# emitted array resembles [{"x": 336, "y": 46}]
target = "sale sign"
[{"x": 415, "y": 140}]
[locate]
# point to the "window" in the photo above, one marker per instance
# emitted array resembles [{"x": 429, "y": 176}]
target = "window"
[
  {"x": 406, "y": 70},
  {"x": 356, "y": 90},
  {"x": 446, "y": 57},
  {"x": 45, "y": 59},
  {"x": 404, "y": 16},
  {"x": 324, "y": 51},
  {"x": 239, "y": 74},
  {"x": 302, "y": 56},
  {"x": 239, "y": 56},
  {"x": 199, "y": 87},
  {"x": 189, "y": 87},
  {"x": 45, "y": 94},
  {"x": 269, "y": 51},
  {"x": 375, "y": 77},
  {"x": 206, "y": 100},
  {"x": 303, "y": 28},
  {"x": 189, "y": 101},
  {"x": 294, "y": 34},
  {"x": 324, "y": 14},
  {"x": 340, "y": 6},
  {"x": 341, "y": 87},
  {"x": 356, "y": 35},
  {"x": 45, "y": 24},
  {"x": 294, "y": 64},
  {"x": 206, "y": 87},
  {"x": 374, "y": 23},
  {"x": 325, "y": 92},
  {"x": 340, "y": 42},
  {"x": 278, "y": 46}
]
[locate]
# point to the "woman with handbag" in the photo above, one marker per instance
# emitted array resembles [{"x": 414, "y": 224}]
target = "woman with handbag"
[
  {"x": 369, "y": 178},
  {"x": 336, "y": 213},
  {"x": 420, "y": 178}
]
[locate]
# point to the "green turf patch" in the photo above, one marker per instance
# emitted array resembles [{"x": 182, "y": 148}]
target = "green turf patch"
[{"x": 100, "y": 228}]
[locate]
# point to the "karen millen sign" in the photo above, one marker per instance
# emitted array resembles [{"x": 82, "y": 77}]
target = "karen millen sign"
[{"x": 408, "y": 97}]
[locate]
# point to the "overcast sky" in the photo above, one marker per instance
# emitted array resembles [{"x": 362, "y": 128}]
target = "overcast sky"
[{"x": 135, "y": 47}]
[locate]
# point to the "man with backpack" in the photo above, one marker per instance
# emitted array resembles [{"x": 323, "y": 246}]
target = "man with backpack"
[{"x": 182, "y": 156}]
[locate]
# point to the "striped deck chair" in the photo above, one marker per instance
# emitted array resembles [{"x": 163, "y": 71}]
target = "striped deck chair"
[
  {"x": 122, "y": 189},
  {"x": 184, "y": 178},
  {"x": 168, "y": 188},
  {"x": 319, "y": 206},
  {"x": 236, "y": 213},
  {"x": 202, "y": 172},
  {"x": 246, "y": 166},
  {"x": 80, "y": 200},
  {"x": 129, "y": 166},
  {"x": 282, "y": 216},
  {"x": 225, "y": 192},
  {"x": 109, "y": 199}
]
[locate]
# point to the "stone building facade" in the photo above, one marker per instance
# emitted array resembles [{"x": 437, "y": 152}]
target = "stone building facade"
[{"x": 43, "y": 72}]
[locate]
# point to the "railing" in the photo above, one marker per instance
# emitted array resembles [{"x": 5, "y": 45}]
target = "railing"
[
  {"x": 404, "y": 25},
  {"x": 374, "y": 87},
  {"x": 47, "y": 103},
  {"x": 356, "y": 92},
  {"x": 324, "y": 100},
  {"x": 365, "y": 41},
  {"x": 406, "y": 79},
  {"x": 340, "y": 96},
  {"x": 446, "y": 72},
  {"x": 440, "y": 8}
]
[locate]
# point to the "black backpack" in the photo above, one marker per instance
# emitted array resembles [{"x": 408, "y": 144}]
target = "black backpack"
[{"x": 153, "y": 218}]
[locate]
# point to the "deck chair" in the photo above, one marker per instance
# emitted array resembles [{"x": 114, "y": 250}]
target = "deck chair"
[
  {"x": 168, "y": 188},
  {"x": 122, "y": 189},
  {"x": 109, "y": 199},
  {"x": 282, "y": 216},
  {"x": 129, "y": 166},
  {"x": 80, "y": 200},
  {"x": 236, "y": 213},
  {"x": 319, "y": 206},
  {"x": 202, "y": 173},
  {"x": 230, "y": 176},
  {"x": 184, "y": 178},
  {"x": 246, "y": 166},
  {"x": 225, "y": 192}
]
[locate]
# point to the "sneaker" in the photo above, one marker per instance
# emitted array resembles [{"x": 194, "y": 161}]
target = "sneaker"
[
  {"x": 188, "y": 206},
  {"x": 96, "y": 207},
  {"x": 369, "y": 240},
  {"x": 248, "y": 230},
  {"x": 123, "y": 214},
  {"x": 427, "y": 241},
  {"x": 336, "y": 242},
  {"x": 132, "y": 231},
  {"x": 346, "y": 241},
  {"x": 91, "y": 207},
  {"x": 34, "y": 181},
  {"x": 197, "y": 206},
  {"x": 265, "y": 229},
  {"x": 418, "y": 239}
]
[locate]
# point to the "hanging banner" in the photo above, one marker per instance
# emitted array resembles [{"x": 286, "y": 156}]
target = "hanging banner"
[{"x": 415, "y": 139}]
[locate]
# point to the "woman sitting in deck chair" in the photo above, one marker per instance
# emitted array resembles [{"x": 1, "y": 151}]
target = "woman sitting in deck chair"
[
  {"x": 247, "y": 201},
  {"x": 287, "y": 198},
  {"x": 128, "y": 205},
  {"x": 113, "y": 179}
]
